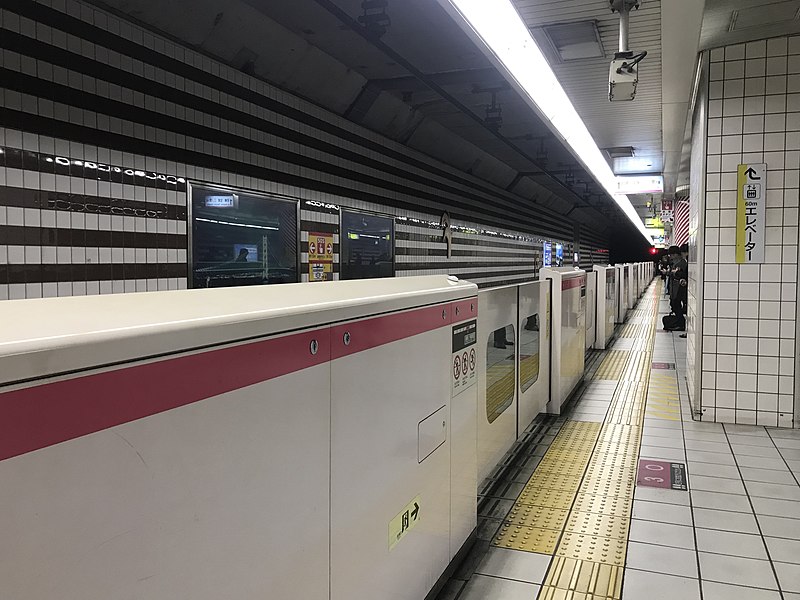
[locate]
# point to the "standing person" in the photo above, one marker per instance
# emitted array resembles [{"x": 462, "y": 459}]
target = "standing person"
[
  {"x": 678, "y": 290},
  {"x": 684, "y": 284},
  {"x": 673, "y": 250},
  {"x": 663, "y": 268}
]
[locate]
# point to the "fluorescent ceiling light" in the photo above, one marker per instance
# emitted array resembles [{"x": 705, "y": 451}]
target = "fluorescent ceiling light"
[
  {"x": 218, "y": 222},
  {"x": 499, "y": 27}
]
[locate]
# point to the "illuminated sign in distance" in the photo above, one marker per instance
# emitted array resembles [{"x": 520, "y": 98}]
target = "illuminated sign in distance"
[
  {"x": 640, "y": 184},
  {"x": 221, "y": 201}
]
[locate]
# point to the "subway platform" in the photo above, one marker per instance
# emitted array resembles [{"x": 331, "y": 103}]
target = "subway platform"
[{"x": 626, "y": 496}]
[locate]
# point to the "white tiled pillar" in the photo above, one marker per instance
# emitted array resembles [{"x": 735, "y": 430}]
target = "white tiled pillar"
[{"x": 743, "y": 321}]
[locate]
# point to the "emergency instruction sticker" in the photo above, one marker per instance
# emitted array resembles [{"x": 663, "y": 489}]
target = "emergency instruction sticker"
[{"x": 464, "y": 359}]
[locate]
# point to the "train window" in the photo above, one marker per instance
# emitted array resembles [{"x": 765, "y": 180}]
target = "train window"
[
  {"x": 367, "y": 246},
  {"x": 500, "y": 378},
  {"x": 529, "y": 353},
  {"x": 242, "y": 239}
]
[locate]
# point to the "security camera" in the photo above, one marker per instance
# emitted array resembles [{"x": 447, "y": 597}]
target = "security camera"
[{"x": 623, "y": 75}]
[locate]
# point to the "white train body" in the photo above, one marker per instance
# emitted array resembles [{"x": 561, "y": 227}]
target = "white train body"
[{"x": 316, "y": 441}]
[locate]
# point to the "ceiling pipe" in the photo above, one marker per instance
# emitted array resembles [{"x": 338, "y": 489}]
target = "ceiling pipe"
[
  {"x": 624, "y": 27},
  {"x": 624, "y": 7}
]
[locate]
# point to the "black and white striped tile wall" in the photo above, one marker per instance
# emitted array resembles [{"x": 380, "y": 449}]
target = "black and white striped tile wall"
[{"x": 103, "y": 124}]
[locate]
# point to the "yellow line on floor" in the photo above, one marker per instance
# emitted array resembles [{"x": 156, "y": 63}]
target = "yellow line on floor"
[
  {"x": 538, "y": 517},
  {"x": 590, "y": 553}
]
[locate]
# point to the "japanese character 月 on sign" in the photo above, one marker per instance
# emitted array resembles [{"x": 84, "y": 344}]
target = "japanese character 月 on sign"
[{"x": 751, "y": 213}]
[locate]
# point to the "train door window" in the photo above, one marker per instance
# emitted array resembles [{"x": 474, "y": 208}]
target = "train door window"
[
  {"x": 367, "y": 246},
  {"x": 500, "y": 377},
  {"x": 529, "y": 352},
  {"x": 240, "y": 238}
]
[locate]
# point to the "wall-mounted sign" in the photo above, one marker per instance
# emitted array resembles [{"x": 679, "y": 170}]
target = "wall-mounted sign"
[
  {"x": 559, "y": 255},
  {"x": 653, "y": 223},
  {"x": 657, "y": 237},
  {"x": 320, "y": 256},
  {"x": 640, "y": 184},
  {"x": 548, "y": 254},
  {"x": 751, "y": 213},
  {"x": 221, "y": 201}
]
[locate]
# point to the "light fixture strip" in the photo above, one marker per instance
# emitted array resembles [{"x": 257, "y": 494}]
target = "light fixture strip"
[{"x": 500, "y": 28}]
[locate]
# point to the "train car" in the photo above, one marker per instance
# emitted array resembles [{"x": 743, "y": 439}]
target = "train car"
[
  {"x": 514, "y": 375},
  {"x": 606, "y": 307},
  {"x": 311, "y": 441},
  {"x": 406, "y": 395}
]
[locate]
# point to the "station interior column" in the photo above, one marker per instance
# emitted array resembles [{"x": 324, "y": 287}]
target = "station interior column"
[{"x": 742, "y": 322}]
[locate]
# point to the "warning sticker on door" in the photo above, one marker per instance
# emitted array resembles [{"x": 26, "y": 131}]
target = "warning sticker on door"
[{"x": 464, "y": 359}]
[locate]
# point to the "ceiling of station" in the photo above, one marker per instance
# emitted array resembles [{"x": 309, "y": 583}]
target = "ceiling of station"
[
  {"x": 728, "y": 22},
  {"x": 425, "y": 77},
  {"x": 636, "y": 123},
  {"x": 612, "y": 124}
]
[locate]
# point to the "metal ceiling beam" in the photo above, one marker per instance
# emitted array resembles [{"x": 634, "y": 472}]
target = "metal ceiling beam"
[
  {"x": 411, "y": 83},
  {"x": 431, "y": 84}
]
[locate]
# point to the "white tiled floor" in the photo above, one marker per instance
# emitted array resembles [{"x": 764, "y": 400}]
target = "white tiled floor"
[
  {"x": 511, "y": 564},
  {"x": 742, "y": 508},
  {"x": 481, "y": 587}
]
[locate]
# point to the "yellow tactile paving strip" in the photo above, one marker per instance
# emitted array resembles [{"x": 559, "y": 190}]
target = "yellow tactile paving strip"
[
  {"x": 663, "y": 401},
  {"x": 570, "y": 579},
  {"x": 537, "y": 520},
  {"x": 633, "y": 330},
  {"x": 577, "y": 505},
  {"x": 612, "y": 365}
]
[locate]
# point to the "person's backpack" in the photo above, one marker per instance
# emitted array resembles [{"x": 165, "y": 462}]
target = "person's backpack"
[{"x": 673, "y": 322}]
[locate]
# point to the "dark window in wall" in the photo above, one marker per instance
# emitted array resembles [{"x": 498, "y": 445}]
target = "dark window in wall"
[
  {"x": 367, "y": 246},
  {"x": 242, "y": 239}
]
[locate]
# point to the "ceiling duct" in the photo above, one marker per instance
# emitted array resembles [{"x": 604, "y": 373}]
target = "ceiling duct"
[
  {"x": 759, "y": 16},
  {"x": 564, "y": 42},
  {"x": 375, "y": 19},
  {"x": 619, "y": 152}
]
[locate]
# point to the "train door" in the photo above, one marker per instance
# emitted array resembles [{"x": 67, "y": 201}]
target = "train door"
[
  {"x": 621, "y": 294},
  {"x": 533, "y": 324},
  {"x": 591, "y": 308},
  {"x": 498, "y": 331}
]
